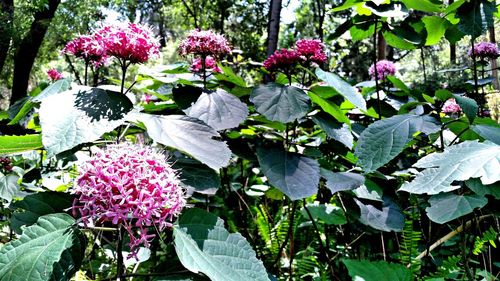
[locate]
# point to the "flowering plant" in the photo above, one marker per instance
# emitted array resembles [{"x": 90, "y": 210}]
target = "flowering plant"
[{"x": 382, "y": 69}]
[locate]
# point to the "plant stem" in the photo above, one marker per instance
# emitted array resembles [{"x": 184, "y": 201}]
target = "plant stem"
[
  {"x": 290, "y": 229},
  {"x": 375, "y": 47},
  {"x": 124, "y": 72},
  {"x": 86, "y": 72},
  {"x": 324, "y": 250},
  {"x": 474, "y": 64},
  {"x": 203, "y": 71},
  {"x": 120, "y": 270}
]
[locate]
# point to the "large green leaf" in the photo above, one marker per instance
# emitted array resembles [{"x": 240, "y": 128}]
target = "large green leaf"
[
  {"x": 219, "y": 109},
  {"x": 17, "y": 144},
  {"x": 9, "y": 187},
  {"x": 491, "y": 133},
  {"x": 470, "y": 159},
  {"x": 54, "y": 88},
  {"x": 336, "y": 130},
  {"x": 390, "y": 218},
  {"x": 342, "y": 181},
  {"x": 468, "y": 105},
  {"x": 436, "y": 28},
  {"x": 51, "y": 249},
  {"x": 79, "y": 116},
  {"x": 27, "y": 211},
  {"x": 448, "y": 206},
  {"x": 204, "y": 245},
  {"x": 423, "y": 5},
  {"x": 280, "y": 103},
  {"x": 197, "y": 176},
  {"x": 397, "y": 42},
  {"x": 295, "y": 175},
  {"x": 481, "y": 189},
  {"x": 187, "y": 134},
  {"x": 327, "y": 213},
  {"x": 385, "y": 139},
  {"x": 342, "y": 87},
  {"x": 363, "y": 270},
  {"x": 475, "y": 17}
]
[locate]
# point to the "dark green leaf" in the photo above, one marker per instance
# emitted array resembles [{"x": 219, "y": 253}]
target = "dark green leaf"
[
  {"x": 336, "y": 130},
  {"x": 51, "y": 249},
  {"x": 377, "y": 271},
  {"x": 448, "y": 206},
  {"x": 204, "y": 245},
  {"x": 385, "y": 139},
  {"x": 468, "y": 105},
  {"x": 481, "y": 189},
  {"x": 390, "y": 218},
  {"x": 475, "y": 17},
  {"x": 280, "y": 103},
  {"x": 330, "y": 108},
  {"x": 342, "y": 181},
  {"x": 197, "y": 176},
  {"x": 295, "y": 175},
  {"x": 327, "y": 213}
]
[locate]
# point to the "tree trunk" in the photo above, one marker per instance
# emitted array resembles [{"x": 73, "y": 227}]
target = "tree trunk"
[
  {"x": 382, "y": 46},
  {"x": 453, "y": 46},
  {"x": 28, "y": 50},
  {"x": 6, "y": 18},
  {"x": 273, "y": 26},
  {"x": 494, "y": 65}
]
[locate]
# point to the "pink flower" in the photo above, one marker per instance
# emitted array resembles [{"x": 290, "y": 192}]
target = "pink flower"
[
  {"x": 132, "y": 186},
  {"x": 5, "y": 164},
  {"x": 384, "y": 69},
  {"x": 204, "y": 43},
  {"x": 148, "y": 98},
  {"x": 311, "y": 49},
  {"x": 130, "y": 42},
  {"x": 282, "y": 60},
  {"x": 90, "y": 48},
  {"x": 451, "y": 106},
  {"x": 485, "y": 50},
  {"x": 54, "y": 75},
  {"x": 210, "y": 64}
]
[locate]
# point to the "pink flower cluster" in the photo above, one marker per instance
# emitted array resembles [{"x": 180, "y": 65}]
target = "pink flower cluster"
[
  {"x": 311, "y": 50},
  {"x": 132, "y": 186},
  {"x": 130, "y": 42},
  {"x": 90, "y": 48},
  {"x": 305, "y": 52},
  {"x": 451, "y": 106},
  {"x": 282, "y": 60},
  {"x": 54, "y": 75},
  {"x": 204, "y": 43},
  {"x": 485, "y": 50},
  {"x": 384, "y": 69},
  {"x": 210, "y": 64}
]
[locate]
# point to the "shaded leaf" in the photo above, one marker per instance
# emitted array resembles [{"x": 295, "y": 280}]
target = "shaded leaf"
[
  {"x": 342, "y": 181},
  {"x": 377, "y": 271},
  {"x": 197, "y": 176},
  {"x": 390, "y": 218},
  {"x": 295, "y": 175},
  {"x": 280, "y": 103},
  {"x": 327, "y": 213},
  {"x": 447, "y": 207},
  {"x": 470, "y": 159},
  {"x": 189, "y": 135},
  {"x": 51, "y": 249},
  {"x": 79, "y": 116},
  {"x": 481, "y": 189},
  {"x": 204, "y": 245},
  {"x": 219, "y": 109},
  {"x": 468, "y": 105},
  {"x": 385, "y": 139},
  {"x": 337, "y": 131}
]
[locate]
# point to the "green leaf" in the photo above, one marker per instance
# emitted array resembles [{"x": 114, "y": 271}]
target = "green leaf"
[
  {"x": 79, "y": 116},
  {"x": 295, "y": 175},
  {"x": 330, "y": 108},
  {"x": 197, "y": 176},
  {"x": 336, "y": 130},
  {"x": 470, "y": 159},
  {"x": 385, "y": 139},
  {"x": 436, "y": 28},
  {"x": 398, "y": 84},
  {"x": 327, "y": 213},
  {"x": 349, "y": 92},
  {"x": 447, "y": 207},
  {"x": 475, "y": 17},
  {"x": 54, "y": 88},
  {"x": 25, "y": 109},
  {"x": 219, "y": 109},
  {"x": 358, "y": 33},
  {"x": 187, "y": 134},
  {"x": 342, "y": 181},
  {"x": 491, "y": 133},
  {"x": 481, "y": 189},
  {"x": 18, "y": 144},
  {"x": 390, "y": 218},
  {"x": 468, "y": 105},
  {"x": 363, "y": 270},
  {"x": 228, "y": 75},
  {"x": 280, "y": 103},
  {"x": 51, "y": 249},
  {"x": 204, "y": 245},
  {"x": 27, "y": 211},
  {"x": 423, "y": 5},
  {"x": 9, "y": 188},
  {"x": 395, "y": 41}
]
